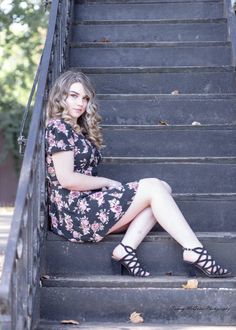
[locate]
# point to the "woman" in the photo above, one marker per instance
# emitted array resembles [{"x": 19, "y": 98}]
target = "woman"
[{"x": 86, "y": 207}]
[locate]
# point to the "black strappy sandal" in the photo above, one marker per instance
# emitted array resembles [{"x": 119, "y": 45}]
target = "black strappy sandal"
[
  {"x": 131, "y": 263},
  {"x": 207, "y": 264}
]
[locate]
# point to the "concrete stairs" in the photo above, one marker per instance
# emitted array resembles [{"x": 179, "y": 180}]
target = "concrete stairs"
[{"x": 137, "y": 53}]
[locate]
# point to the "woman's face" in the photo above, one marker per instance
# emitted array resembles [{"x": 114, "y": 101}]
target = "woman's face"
[{"x": 76, "y": 101}]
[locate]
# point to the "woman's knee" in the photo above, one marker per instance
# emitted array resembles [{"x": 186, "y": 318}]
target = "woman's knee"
[
  {"x": 167, "y": 186},
  {"x": 154, "y": 183}
]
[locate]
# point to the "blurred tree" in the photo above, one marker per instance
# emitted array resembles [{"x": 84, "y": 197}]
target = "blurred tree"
[{"x": 22, "y": 35}]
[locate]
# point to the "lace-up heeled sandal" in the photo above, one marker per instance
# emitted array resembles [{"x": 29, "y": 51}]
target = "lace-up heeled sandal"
[
  {"x": 207, "y": 264},
  {"x": 131, "y": 263}
]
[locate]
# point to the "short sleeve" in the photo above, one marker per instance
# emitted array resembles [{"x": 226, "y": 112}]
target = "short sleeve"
[{"x": 59, "y": 137}]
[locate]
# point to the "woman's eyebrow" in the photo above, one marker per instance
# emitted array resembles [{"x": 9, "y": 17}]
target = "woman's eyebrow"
[
  {"x": 74, "y": 92},
  {"x": 78, "y": 93}
]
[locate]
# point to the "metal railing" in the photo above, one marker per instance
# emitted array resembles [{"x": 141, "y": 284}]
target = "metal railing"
[{"x": 20, "y": 283}]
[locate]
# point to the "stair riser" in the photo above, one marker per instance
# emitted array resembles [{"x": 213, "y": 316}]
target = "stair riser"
[
  {"x": 64, "y": 257},
  {"x": 183, "y": 178},
  {"x": 149, "y": 11},
  {"x": 158, "y": 56},
  {"x": 164, "y": 83},
  {"x": 169, "y": 143},
  {"x": 174, "y": 111},
  {"x": 140, "y": 1},
  {"x": 151, "y": 32},
  {"x": 173, "y": 306}
]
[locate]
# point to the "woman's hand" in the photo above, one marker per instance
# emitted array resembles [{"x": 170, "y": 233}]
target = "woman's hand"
[{"x": 113, "y": 184}]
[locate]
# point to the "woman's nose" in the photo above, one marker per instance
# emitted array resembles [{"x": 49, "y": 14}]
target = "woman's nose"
[{"x": 79, "y": 101}]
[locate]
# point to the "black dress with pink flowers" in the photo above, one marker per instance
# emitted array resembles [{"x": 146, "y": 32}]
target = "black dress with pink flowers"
[{"x": 81, "y": 216}]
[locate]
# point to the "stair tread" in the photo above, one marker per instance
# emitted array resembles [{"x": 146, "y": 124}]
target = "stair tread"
[
  {"x": 174, "y": 98},
  {"x": 150, "y": 44},
  {"x": 153, "y": 236},
  {"x": 169, "y": 160},
  {"x": 158, "y": 69},
  {"x": 150, "y": 21},
  {"x": 110, "y": 281},
  {"x": 53, "y": 325},
  {"x": 210, "y": 127}
]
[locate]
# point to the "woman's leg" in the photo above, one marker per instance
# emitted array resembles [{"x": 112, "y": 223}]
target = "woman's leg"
[
  {"x": 136, "y": 232},
  {"x": 153, "y": 202},
  {"x": 155, "y": 194}
]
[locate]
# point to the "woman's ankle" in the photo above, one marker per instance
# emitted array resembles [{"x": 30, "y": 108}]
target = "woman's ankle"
[{"x": 190, "y": 255}]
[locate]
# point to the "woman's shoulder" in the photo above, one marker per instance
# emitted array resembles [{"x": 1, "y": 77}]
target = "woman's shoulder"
[{"x": 59, "y": 124}]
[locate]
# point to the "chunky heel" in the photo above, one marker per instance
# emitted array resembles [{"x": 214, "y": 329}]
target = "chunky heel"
[
  {"x": 206, "y": 264},
  {"x": 130, "y": 263},
  {"x": 190, "y": 271}
]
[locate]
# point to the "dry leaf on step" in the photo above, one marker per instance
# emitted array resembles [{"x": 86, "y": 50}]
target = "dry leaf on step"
[
  {"x": 69, "y": 322},
  {"x": 136, "y": 318},
  {"x": 175, "y": 92},
  {"x": 191, "y": 284},
  {"x": 104, "y": 40},
  {"x": 163, "y": 122},
  {"x": 196, "y": 123}
]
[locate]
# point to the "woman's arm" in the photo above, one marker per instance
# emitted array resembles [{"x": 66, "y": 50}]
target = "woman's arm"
[{"x": 64, "y": 168}]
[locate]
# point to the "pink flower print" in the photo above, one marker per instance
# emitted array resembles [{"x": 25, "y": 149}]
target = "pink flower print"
[
  {"x": 116, "y": 194},
  {"x": 57, "y": 198},
  {"x": 76, "y": 234},
  {"x": 83, "y": 206},
  {"x": 54, "y": 221},
  {"x": 69, "y": 223},
  {"x": 50, "y": 170},
  {"x": 115, "y": 207},
  {"x": 84, "y": 224},
  {"x": 85, "y": 150},
  {"x": 88, "y": 171},
  {"x": 98, "y": 196},
  {"x": 74, "y": 194},
  {"x": 97, "y": 238},
  {"x": 71, "y": 141},
  {"x": 62, "y": 127},
  {"x": 61, "y": 144},
  {"x": 95, "y": 227},
  {"x": 102, "y": 216}
]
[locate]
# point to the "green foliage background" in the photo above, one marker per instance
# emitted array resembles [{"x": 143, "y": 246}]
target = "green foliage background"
[{"x": 22, "y": 34}]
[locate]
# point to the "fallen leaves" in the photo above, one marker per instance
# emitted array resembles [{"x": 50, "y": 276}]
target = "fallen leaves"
[
  {"x": 191, "y": 284},
  {"x": 104, "y": 40},
  {"x": 175, "y": 92},
  {"x": 69, "y": 322},
  {"x": 196, "y": 123},
  {"x": 136, "y": 318},
  {"x": 163, "y": 123}
]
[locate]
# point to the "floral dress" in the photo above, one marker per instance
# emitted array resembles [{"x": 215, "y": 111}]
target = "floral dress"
[{"x": 81, "y": 216}]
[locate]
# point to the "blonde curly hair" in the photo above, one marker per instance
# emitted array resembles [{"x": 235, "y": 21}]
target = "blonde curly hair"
[{"x": 88, "y": 122}]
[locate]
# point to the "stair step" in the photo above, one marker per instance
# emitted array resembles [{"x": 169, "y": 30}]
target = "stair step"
[
  {"x": 158, "y": 82},
  {"x": 150, "y": 32},
  {"x": 140, "y": 1},
  {"x": 186, "y": 177},
  {"x": 55, "y": 325},
  {"x": 151, "y": 109},
  {"x": 161, "y": 10},
  {"x": 149, "y": 55},
  {"x": 150, "y": 141},
  {"x": 111, "y": 281},
  {"x": 116, "y": 303},
  {"x": 66, "y": 258}
]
